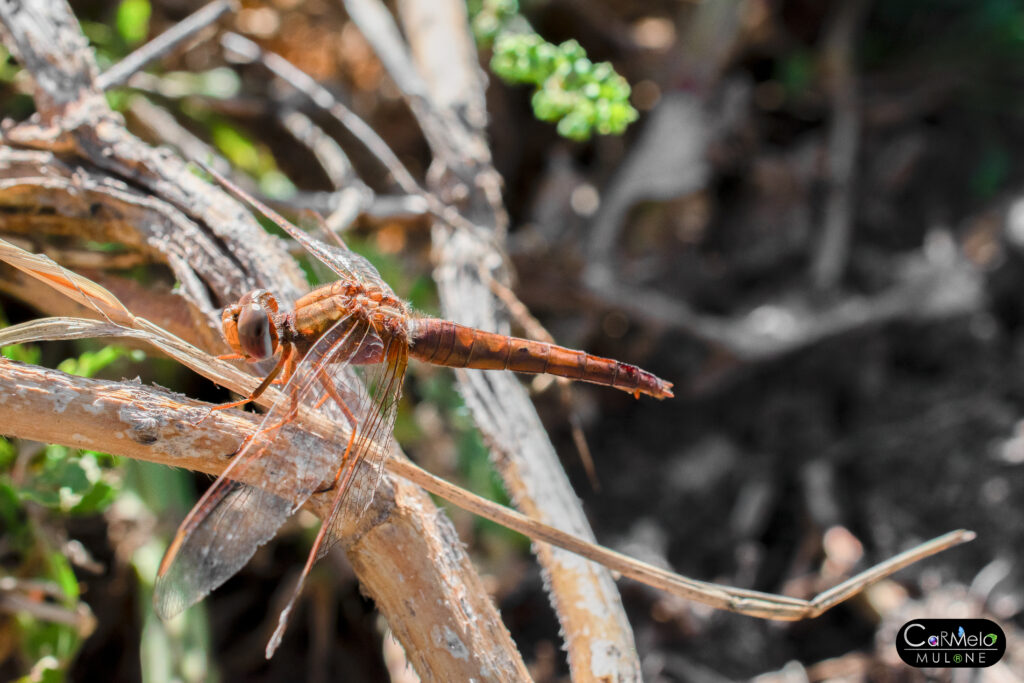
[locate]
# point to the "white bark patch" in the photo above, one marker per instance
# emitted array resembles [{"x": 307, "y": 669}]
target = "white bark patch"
[
  {"x": 450, "y": 641},
  {"x": 606, "y": 659},
  {"x": 97, "y": 407},
  {"x": 61, "y": 398},
  {"x": 595, "y": 602}
]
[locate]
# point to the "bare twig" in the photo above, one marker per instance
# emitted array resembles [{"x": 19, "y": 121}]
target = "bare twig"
[
  {"x": 926, "y": 289},
  {"x": 164, "y": 43},
  {"x": 843, "y": 136},
  {"x": 81, "y": 618},
  {"x": 322, "y": 98},
  {"x": 521, "y": 314},
  {"x": 161, "y": 126},
  {"x": 670, "y": 157},
  {"x": 740, "y": 600},
  {"x": 352, "y": 196},
  {"x": 329, "y": 153}
]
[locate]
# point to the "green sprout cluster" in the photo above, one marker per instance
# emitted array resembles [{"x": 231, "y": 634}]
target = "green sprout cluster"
[
  {"x": 580, "y": 95},
  {"x": 488, "y": 18}
]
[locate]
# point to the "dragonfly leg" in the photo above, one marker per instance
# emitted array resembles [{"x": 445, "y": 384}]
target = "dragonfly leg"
[
  {"x": 332, "y": 392},
  {"x": 285, "y": 364},
  {"x": 342, "y": 466},
  {"x": 314, "y": 552}
]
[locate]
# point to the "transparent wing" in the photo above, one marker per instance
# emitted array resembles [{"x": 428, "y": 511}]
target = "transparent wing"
[
  {"x": 371, "y": 445},
  {"x": 232, "y": 520},
  {"x": 342, "y": 260},
  {"x": 379, "y": 408}
]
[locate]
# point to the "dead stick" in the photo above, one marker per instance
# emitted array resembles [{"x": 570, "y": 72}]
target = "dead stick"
[
  {"x": 164, "y": 43},
  {"x": 740, "y": 600}
]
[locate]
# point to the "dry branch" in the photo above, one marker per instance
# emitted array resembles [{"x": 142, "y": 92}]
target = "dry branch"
[
  {"x": 164, "y": 43},
  {"x": 402, "y": 539},
  {"x": 405, "y": 539},
  {"x": 448, "y": 101},
  {"x": 153, "y": 417}
]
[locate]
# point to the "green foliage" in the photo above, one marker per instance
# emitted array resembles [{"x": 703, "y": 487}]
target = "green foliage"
[
  {"x": 255, "y": 159},
  {"x": 178, "y": 650},
  {"x": 64, "y": 482},
  {"x": 70, "y": 481},
  {"x": 18, "y": 352},
  {"x": 489, "y": 17},
  {"x": 21, "y": 353},
  {"x": 583, "y": 97},
  {"x": 8, "y": 68},
  {"x": 132, "y": 20},
  {"x": 91, "y": 362}
]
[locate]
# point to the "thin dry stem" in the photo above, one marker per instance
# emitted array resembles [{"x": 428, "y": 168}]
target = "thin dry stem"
[
  {"x": 164, "y": 43},
  {"x": 148, "y": 424}
]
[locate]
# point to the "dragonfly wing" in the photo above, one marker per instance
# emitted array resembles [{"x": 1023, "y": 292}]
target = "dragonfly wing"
[
  {"x": 231, "y": 521},
  {"x": 342, "y": 260},
  {"x": 213, "y": 551},
  {"x": 363, "y": 269},
  {"x": 375, "y": 412},
  {"x": 384, "y": 382}
]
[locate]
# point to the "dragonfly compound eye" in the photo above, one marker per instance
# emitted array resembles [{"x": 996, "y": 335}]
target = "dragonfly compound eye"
[{"x": 256, "y": 333}]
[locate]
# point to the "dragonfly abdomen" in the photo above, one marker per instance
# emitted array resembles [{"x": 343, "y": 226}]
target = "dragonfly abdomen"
[{"x": 442, "y": 342}]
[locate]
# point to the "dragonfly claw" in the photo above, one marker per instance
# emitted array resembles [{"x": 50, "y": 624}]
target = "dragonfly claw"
[{"x": 207, "y": 413}]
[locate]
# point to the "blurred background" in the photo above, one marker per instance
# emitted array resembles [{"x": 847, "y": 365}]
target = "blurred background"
[{"x": 814, "y": 228}]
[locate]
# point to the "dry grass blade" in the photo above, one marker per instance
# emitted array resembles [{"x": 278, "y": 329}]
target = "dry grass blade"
[
  {"x": 117, "y": 321},
  {"x": 78, "y": 288},
  {"x": 739, "y": 600},
  {"x": 752, "y": 603}
]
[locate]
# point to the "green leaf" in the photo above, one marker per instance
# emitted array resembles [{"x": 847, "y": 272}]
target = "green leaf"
[
  {"x": 239, "y": 149},
  {"x": 133, "y": 20},
  {"x": 489, "y": 17},
  {"x": 7, "y": 454},
  {"x": 10, "y": 507},
  {"x": 63, "y": 575},
  {"x": 91, "y": 362},
  {"x": 71, "y": 481},
  {"x": 19, "y": 352}
]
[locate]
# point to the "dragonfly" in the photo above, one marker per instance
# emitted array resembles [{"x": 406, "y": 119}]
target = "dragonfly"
[{"x": 357, "y": 320}]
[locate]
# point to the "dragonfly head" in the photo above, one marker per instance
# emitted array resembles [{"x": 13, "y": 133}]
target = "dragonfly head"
[{"x": 249, "y": 326}]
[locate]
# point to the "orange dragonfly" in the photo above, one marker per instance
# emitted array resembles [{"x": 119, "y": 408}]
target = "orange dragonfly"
[{"x": 354, "y": 321}]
